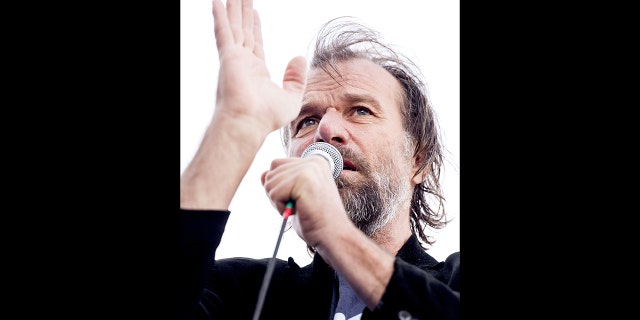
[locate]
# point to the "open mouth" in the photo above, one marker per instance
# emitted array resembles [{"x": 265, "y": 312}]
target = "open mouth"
[{"x": 347, "y": 165}]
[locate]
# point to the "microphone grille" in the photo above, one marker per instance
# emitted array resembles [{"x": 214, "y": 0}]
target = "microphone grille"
[{"x": 329, "y": 152}]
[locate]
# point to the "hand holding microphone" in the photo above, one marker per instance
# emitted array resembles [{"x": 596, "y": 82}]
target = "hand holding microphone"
[
  {"x": 287, "y": 173},
  {"x": 327, "y": 152},
  {"x": 335, "y": 163}
]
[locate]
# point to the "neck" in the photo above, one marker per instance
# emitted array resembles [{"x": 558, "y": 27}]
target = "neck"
[{"x": 393, "y": 236}]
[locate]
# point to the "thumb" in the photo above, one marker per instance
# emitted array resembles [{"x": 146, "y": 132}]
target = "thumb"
[{"x": 295, "y": 75}]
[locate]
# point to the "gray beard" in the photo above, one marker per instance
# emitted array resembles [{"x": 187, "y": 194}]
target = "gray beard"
[{"x": 373, "y": 203}]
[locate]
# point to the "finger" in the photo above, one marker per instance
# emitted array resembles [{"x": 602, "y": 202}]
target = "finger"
[
  {"x": 234, "y": 14},
  {"x": 263, "y": 177},
  {"x": 279, "y": 175},
  {"x": 278, "y": 171},
  {"x": 277, "y": 186},
  {"x": 247, "y": 22},
  {"x": 221, "y": 25},
  {"x": 258, "y": 48}
]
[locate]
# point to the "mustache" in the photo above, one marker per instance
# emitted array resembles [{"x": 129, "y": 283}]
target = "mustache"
[{"x": 356, "y": 159}]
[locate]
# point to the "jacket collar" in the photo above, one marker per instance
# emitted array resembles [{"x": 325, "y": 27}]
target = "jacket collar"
[{"x": 411, "y": 252}]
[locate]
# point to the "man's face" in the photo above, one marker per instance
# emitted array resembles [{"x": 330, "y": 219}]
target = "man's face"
[{"x": 361, "y": 117}]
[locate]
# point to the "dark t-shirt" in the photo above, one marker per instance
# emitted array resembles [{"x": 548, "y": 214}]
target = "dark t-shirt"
[{"x": 349, "y": 305}]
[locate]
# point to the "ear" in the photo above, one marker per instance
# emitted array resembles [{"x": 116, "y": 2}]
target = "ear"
[
  {"x": 417, "y": 162},
  {"x": 417, "y": 179}
]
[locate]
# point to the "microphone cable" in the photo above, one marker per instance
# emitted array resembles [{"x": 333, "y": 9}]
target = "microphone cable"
[{"x": 272, "y": 263}]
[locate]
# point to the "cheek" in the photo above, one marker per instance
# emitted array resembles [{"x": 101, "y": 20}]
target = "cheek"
[
  {"x": 294, "y": 151},
  {"x": 298, "y": 146},
  {"x": 395, "y": 152}
]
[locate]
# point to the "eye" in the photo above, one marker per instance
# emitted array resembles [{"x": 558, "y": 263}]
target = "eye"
[
  {"x": 305, "y": 125},
  {"x": 362, "y": 111},
  {"x": 307, "y": 122}
]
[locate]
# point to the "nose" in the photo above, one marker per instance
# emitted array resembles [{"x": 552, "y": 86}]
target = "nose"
[{"x": 331, "y": 128}]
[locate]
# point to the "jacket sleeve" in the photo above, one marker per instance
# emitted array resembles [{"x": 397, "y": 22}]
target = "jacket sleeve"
[
  {"x": 413, "y": 293},
  {"x": 199, "y": 234}
]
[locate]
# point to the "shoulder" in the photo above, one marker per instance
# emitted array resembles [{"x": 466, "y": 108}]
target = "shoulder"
[{"x": 450, "y": 271}]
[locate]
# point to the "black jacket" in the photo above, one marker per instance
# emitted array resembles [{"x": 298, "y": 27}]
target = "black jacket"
[{"x": 228, "y": 288}]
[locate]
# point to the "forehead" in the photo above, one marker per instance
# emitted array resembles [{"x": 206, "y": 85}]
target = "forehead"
[{"x": 354, "y": 76}]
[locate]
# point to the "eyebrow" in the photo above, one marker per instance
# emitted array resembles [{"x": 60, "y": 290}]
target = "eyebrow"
[
  {"x": 354, "y": 97},
  {"x": 348, "y": 96}
]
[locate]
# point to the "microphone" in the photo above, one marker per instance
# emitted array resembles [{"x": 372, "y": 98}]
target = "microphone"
[
  {"x": 334, "y": 159},
  {"x": 329, "y": 153}
]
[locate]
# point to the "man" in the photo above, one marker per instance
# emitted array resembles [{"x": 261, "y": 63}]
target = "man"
[{"x": 365, "y": 227}]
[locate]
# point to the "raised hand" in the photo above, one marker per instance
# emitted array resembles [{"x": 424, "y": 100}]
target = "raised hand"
[
  {"x": 245, "y": 89},
  {"x": 249, "y": 106}
]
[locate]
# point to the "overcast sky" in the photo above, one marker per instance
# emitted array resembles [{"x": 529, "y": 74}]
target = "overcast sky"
[{"x": 428, "y": 31}]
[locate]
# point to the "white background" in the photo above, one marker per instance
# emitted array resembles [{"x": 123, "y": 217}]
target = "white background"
[{"x": 427, "y": 31}]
